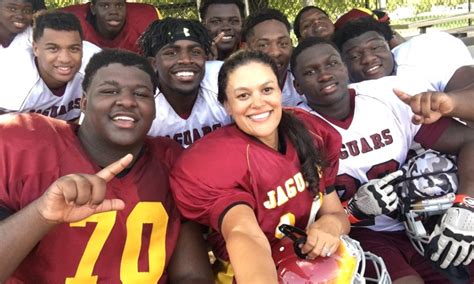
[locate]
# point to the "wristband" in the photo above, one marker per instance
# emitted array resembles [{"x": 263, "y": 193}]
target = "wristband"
[{"x": 352, "y": 219}]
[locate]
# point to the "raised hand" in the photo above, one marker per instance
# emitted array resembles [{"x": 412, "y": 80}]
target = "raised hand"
[
  {"x": 77, "y": 196},
  {"x": 428, "y": 107},
  {"x": 214, "y": 52}
]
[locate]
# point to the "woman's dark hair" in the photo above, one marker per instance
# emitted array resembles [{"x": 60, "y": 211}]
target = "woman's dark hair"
[
  {"x": 296, "y": 23},
  {"x": 290, "y": 126}
]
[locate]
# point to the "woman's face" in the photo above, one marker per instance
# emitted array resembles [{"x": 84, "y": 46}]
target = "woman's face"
[{"x": 254, "y": 101}]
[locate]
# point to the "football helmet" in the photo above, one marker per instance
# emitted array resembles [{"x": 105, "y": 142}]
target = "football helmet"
[
  {"x": 425, "y": 193},
  {"x": 346, "y": 265}
]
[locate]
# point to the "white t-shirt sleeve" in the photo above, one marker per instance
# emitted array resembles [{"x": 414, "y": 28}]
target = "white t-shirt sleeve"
[{"x": 435, "y": 55}]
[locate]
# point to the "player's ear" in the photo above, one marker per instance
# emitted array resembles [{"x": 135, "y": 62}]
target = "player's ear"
[
  {"x": 83, "y": 103},
  {"x": 297, "y": 87},
  {"x": 152, "y": 61},
  {"x": 35, "y": 48},
  {"x": 92, "y": 8}
]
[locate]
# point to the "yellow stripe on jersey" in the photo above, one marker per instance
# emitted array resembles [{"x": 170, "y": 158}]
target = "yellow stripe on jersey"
[{"x": 223, "y": 272}]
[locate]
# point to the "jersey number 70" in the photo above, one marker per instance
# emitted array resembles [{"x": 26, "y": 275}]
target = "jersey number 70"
[{"x": 144, "y": 213}]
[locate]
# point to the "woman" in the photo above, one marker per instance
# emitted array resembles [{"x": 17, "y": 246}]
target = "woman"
[{"x": 246, "y": 179}]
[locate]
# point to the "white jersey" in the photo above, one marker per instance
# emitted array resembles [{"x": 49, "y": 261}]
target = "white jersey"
[
  {"x": 436, "y": 55},
  {"x": 289, "y": 96},
  {"x": 23, "y": 90},
  {"x": 207, "y": 113},
  {"x": 22, "y": 40},
  {"x": 376, "y": 138}
]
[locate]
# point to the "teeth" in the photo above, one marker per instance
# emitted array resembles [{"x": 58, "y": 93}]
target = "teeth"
[
  {"x": 227, "y": 37},
  {"x": 19, "y": 25},
  {"x": 121, "y": 117},
  {"x": 114, "y": 23},
  {"x": 64, "y": 68},
  {"x": 373, "y": 69},
  {"x": 329, "y": 87},
  {"x": 260, "y": 116},
  {"x": 185, "y": 74}
]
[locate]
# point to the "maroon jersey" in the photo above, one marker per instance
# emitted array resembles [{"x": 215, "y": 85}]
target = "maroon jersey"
[
  {"x": 228, "y": 167},
  {"x": 138, "y": 17},
  {"x": 112, "y": 247}
]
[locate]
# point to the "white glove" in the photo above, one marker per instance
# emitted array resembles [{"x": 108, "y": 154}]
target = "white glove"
[
  {"x": 375, "y": 198},
  {"x": 456, "y": 242}
]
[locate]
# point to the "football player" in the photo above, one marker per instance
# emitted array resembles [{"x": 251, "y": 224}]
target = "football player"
[
  {"x": 268, "y": 30},
  {"x": 48, "y": 79},
  {"x": 364, "y": 45},
  {"x": 186, "y": 98},
  {"x": 91, "y": 203},
  {"x": 265, "y": 170},
  {"x": 223, "y": 20},
  {"x": 114, "y": 23},
  {"x": 15, "y": 20},
  {"x": 313, "y": 21},
  {"x": 377, "y": 134}
]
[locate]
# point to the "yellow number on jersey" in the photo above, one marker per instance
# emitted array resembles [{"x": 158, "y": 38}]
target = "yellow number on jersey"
[
  {"x": 288, "y": 219},
  {"x": 144, "y": 213}
]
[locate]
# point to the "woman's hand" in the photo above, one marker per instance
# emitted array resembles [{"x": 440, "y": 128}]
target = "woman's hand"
[{"x": 320, "y": 241}]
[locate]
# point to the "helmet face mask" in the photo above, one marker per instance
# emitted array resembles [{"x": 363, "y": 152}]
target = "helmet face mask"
[
  {"x": 426, "y": 192},
  {"x": 346, "y": 265},
  {"x": 420, "y": 219}
]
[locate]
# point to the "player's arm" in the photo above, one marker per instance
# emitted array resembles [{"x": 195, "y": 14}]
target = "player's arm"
[
  {"x": 455, "y": 229},
  {"x": 463, "y": 78},
  {"x": 190, "y": 261},
  {"x": 20, "y": 233},
  {"x": 70, "y": 198},
  {"x": 458, "y": 139},
  {"x": 247, "y": 246},
  {"x": 323, "y": 235}
]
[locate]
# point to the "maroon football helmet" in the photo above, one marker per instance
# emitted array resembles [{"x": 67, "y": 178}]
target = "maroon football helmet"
[{"x": 346, "y": 265}]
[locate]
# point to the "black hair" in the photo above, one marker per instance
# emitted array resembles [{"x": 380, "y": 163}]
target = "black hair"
[
  {"x": 262, "y": 16},
  {"x": 56, "y": 20},
  {"x": 296, "y": 23},
  {"x": 307, "y": 43},
  {"x": 109, "y": 56},
  {"x": 356, "y": 27},
  {"x": 158, "y": 34},
  {"x": 206, "y": 3},
  {"x": 38, "y": 5},
  {"x": 290, "y": 126}
]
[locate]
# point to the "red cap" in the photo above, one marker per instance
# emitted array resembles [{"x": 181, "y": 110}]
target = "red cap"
[{"x": 354, "y": 14}]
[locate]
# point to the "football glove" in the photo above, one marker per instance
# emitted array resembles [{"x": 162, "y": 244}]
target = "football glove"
[
  {"x": 374, "y": 198},
  {"x": 456, "y": 234}
]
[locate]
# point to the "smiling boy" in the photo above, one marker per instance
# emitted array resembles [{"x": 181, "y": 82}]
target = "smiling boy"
[
  {"x": 91, "y": 203},
  {"x": 47, "y": 80},
  {"x": 114, "y": 23},
  {"x": 186, "y": 98}
]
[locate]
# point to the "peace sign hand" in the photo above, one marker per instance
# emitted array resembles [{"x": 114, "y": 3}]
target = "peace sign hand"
[{"x": 77, "y": 196}]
